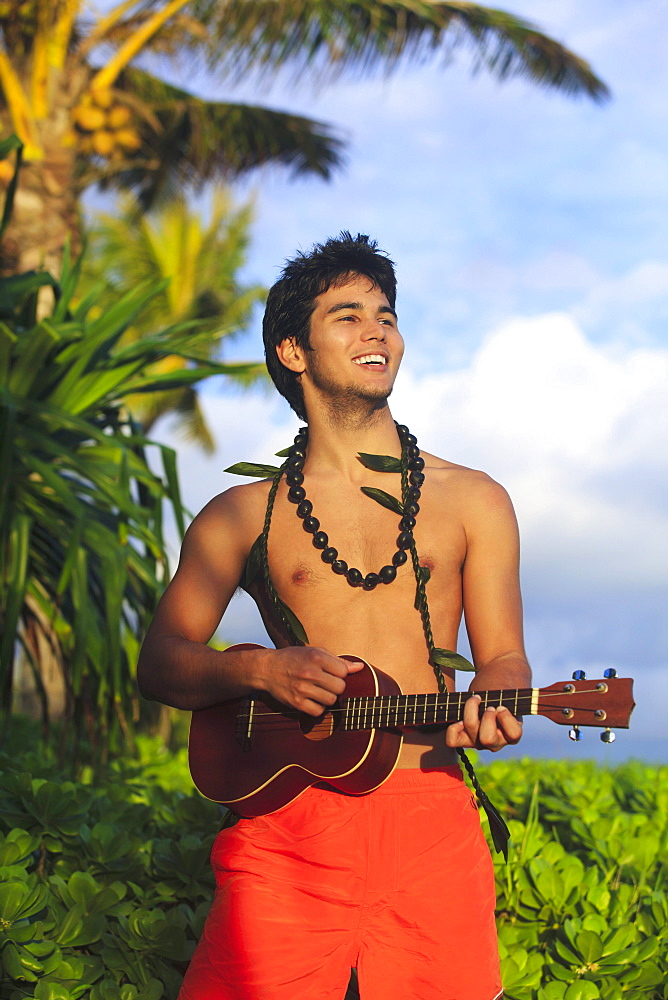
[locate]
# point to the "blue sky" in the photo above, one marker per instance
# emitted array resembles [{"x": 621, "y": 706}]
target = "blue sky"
[{"x": 529, "y": 232}]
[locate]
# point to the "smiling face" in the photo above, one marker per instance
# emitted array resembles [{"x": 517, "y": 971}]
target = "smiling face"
[{"x": 356, "y": 348}]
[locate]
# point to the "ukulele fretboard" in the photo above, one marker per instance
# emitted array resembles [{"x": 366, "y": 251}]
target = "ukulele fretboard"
[{"x": 371, "y": 712}]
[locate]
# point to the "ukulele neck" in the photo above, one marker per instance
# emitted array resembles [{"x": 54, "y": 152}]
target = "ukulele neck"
[{"x": 409, "y": 710}]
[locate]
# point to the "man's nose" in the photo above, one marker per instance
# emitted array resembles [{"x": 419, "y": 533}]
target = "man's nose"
[{"x": 373, "y": 329}]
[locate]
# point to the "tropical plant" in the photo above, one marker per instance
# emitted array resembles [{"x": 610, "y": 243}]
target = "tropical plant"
[
  {"x": 73, "y": 89},
  {"x": 201, "y": 263},
  {"x": 82, "y": 556}
]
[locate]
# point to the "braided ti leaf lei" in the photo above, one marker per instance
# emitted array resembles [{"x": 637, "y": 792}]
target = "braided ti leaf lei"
[{"x": 410, "y": 466}]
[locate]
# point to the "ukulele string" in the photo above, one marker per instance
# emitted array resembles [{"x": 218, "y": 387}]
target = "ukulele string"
[
  {"x": 275, "y": 722},
  {"x": 456, "y": 695}
]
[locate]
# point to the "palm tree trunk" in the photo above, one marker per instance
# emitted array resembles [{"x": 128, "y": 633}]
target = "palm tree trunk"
[{"x": 46, "y": 213}]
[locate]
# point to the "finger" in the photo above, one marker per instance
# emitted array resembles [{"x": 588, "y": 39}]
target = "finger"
[
  {"x": 325, "y": 686},
  {"x": 354, "y": 666},
  {"x": 510, "y": 726},
  {"x": 489, "y": 735},
  {"x": 318, "y": 699},
  {"x": 330, "y": 664},
  {"x": 311, "y": 707},
  {"x": 472, "y": 717},
  {"x": 456, "y": 736}
]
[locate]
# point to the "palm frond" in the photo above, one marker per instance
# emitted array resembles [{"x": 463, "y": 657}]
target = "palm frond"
[
  {"x": 199, "y": 141},
  {"x": 328, "y": 37}
]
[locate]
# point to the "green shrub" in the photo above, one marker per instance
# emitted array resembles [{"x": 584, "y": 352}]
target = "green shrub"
[
  {"x": 104, "y": 888},
  {"x": 582, "y": 904}
]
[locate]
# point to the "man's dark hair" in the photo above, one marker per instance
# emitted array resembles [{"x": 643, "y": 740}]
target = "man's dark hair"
[{"x": 291, "y": 300}]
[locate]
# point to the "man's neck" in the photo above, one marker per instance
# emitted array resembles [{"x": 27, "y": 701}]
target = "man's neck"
[{"x": 333, "y": 445}]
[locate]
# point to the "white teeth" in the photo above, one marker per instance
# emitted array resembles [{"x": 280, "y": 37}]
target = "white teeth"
[{"x": 376, "y": 359}]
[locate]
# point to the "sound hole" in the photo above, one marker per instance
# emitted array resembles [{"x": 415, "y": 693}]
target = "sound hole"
[{"x": 317, "y": 729}]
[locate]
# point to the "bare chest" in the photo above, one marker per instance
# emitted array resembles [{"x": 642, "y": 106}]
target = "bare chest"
[{"x": 382, "y": 624}]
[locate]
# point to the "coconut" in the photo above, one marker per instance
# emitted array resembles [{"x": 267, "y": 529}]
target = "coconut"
[
  {"x": 119, "y": 116},
  {"x": 103, "y": 142},
  {"x": 103, "y": 98},
  {"x": 88, "y": 118},
  {"x": 128, "y": 138}
]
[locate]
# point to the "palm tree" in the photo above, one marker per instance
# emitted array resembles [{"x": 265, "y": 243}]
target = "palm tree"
[
  {"x": 196, "y": 267},
  {"x": 72, "y": 89}
]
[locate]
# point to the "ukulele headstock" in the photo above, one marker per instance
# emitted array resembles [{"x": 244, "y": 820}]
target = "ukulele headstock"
[{"x": 607, "y": 702}]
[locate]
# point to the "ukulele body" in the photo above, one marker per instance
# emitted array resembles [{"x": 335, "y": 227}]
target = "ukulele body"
[{"x": 256, "y": 755}]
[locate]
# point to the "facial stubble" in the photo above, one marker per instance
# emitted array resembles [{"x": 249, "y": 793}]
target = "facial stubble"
[{"x": 347, "y": 404}]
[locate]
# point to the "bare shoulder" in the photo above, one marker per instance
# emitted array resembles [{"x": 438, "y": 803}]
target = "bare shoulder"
[
  {"x": 232, "y": 519},
  {"x": 474, "y": 492}
]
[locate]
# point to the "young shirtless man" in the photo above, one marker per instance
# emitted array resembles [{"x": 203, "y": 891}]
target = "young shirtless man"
[{"x": 398, "y": 882}]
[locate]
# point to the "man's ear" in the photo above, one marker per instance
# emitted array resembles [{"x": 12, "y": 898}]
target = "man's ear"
[{"x": 291, "y": 355}]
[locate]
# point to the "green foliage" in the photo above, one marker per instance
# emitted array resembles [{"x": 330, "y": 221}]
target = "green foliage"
[
  {"x": 583, "y": 902},
  {"x": 104, "y": 887},
  {"x": 201, "y": 264},
  {"x": 82, "y": 554}
]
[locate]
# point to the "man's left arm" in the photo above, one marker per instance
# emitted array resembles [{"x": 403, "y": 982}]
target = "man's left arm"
[{"x": 493, "y": 614}]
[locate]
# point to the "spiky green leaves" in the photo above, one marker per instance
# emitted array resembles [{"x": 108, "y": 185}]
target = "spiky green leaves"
[{"x": 82, "y": 554}]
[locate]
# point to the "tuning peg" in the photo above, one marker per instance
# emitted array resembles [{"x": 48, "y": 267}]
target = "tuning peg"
[
  {"x": 610, "y": 672},
  {"x": 579, "y": 675},
  {"x": 607, "y": 736},
  {"x": 574, "y": 733}
]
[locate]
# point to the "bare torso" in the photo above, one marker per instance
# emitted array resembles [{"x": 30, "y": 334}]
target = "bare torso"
[
  {"x": 382, "y": 626},
  {"x": 466, "y": 533}
]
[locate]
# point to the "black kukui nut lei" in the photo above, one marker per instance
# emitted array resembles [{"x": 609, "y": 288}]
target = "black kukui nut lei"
[
  {"x": 412, "y": 478},
  {"x": 412, "y": 465}
]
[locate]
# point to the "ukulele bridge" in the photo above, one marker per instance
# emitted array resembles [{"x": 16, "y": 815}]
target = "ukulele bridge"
[{"x": 244, "y": 724}]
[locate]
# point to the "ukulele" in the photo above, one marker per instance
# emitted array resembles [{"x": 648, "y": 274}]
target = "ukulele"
[{"x": 255, "y": 754}]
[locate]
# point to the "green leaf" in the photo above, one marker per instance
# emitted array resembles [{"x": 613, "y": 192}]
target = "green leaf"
[
  {"x": 590, "y": 946},
  {"x": 384, "y": 499},
  {"x": 447, "y": 658},
  {"x": 253, "y": 469},
  {"x": 51, "y": 991},
  {"x": 284, "y": 452},
  {"x": 297, "y": 628},
  {"x": 380, "y": 463},
  {"x": 171, "y": 475},
  {"x": 253, "y": 563},
  {"x": 552, "y": 991},
  {"x": 17, "y": 539},
  {"x": 7, "y": 145},
  {"x": 16, "y": 290},
  {"x": 584, "y": 990}
]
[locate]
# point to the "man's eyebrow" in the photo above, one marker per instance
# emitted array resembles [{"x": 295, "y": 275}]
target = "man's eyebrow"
[{"x": 338, "y": 306}]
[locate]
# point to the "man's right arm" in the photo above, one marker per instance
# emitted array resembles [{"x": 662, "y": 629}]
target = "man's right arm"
[{"x": 178, "y": 668}]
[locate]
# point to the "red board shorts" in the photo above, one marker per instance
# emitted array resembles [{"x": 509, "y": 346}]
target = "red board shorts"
[{"x": 398, "y": 883}]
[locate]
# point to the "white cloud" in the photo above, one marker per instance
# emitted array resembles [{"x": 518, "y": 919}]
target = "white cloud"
[{"x": 556, "y": 418}]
